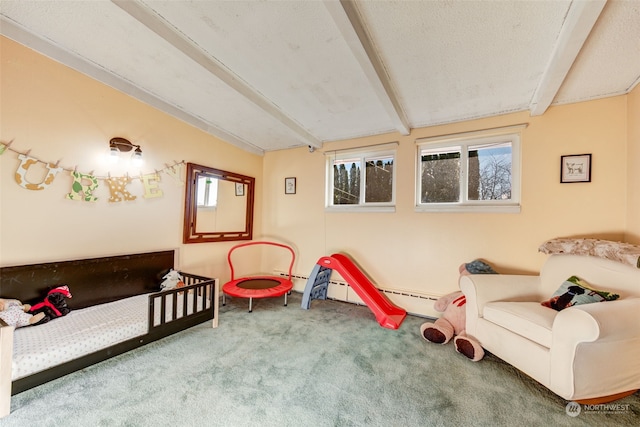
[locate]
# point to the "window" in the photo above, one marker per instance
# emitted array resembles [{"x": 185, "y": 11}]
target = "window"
[
  {"x": 469, "y": 172},
  {"x": 207, "y": 192},
  {"x": 361, "y": 180}
]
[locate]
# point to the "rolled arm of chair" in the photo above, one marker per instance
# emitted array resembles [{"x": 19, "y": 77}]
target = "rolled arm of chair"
[
  {"x": 480, "y": 289},
  {"x": 604, "y": 321},
  {"x": 590, "y": 336}
]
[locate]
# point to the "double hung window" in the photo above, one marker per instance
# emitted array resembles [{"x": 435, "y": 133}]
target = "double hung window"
[
  {"x": 469, "y": 172},
  {"x": 361, "y": 180}
]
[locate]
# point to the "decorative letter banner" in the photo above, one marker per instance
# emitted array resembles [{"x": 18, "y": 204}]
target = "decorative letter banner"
[
  {"x": 116, "y": 185},
  {"x": 77, "y": 187},
  {"x": 84, "y": 185},
  {"x": 25, "y": 163}
]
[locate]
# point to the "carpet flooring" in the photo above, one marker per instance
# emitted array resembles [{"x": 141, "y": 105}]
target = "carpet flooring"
[{"x": 332, "y": 365}]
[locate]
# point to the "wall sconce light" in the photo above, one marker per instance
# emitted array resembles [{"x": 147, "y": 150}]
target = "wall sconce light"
[{"x": 121, "y": 145}]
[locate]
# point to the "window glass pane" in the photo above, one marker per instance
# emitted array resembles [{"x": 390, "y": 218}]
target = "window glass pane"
[
  {"x": 490, "y": 172},
  {"x": 207, "y": 191},
  {"x": 379, "y": 179},
  {"x": 440, "y": 174},
  {"x": 346, "y": 182}
]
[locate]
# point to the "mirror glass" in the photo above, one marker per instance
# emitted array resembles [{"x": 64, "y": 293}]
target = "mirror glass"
[{"x": 218, "y": 205}]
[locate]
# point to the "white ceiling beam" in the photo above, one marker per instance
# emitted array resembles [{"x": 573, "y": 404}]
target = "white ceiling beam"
[
  {"x": 155, "y": 23},
  {"x": 21, "y": 35},
  {"x": 348, "y": 20},
  {"x": 578, "y": 23}
]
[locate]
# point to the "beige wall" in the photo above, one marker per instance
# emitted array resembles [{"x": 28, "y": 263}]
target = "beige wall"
[
  {"x": 633, "y": 166},
  {"x": 421, "y": 252},
  {"x": 60, "y": 114}
]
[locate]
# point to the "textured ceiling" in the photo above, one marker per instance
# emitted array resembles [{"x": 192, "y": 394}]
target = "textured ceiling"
[{"x": 269, "y": 75}]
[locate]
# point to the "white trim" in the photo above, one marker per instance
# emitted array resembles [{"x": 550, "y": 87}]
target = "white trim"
[
  {"x": 579, "y": 21},
  {"x": 464, "y": 136},
  {"x": 349, "y": 22},
  {"x": 360, "y": 208},
  {"x": 468, "y": 208},
  {"x": 156, "y": 23},
  {"x": 373, "y": 148}
]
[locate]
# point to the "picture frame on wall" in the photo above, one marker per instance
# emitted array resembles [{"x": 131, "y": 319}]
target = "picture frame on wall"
[
  {"x": 290, "y": 185},
  {"x": 239, "y": 189},
  {"x": 575, "y": 168}
]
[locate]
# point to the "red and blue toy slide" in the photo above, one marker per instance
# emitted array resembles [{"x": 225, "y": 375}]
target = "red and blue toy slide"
[{"x": 387, "y": 314}]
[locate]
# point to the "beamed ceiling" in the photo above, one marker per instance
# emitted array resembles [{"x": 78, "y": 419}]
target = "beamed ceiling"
[{"x": 271, "y": 75}]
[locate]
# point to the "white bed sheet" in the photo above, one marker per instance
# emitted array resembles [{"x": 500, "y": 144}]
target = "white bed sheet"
[{"x": 36, "y": 348}]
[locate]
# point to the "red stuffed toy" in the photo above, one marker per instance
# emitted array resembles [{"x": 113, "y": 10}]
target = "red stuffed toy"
[{"x": 54, "y": 304}]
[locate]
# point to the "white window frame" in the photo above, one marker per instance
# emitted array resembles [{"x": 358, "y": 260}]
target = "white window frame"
[
  {"x": 363, "y": 155},
  {"x": 461, "y": 142}
]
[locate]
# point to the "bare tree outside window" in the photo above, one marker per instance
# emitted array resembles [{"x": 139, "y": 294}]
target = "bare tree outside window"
[
  {"x": 488, "y": 173},
  {"x": 493, "y": 179}
]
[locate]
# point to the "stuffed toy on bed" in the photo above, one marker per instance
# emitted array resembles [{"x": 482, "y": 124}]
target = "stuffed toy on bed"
[
  {"x": 14, "y": 313},
  {"x": 54, "y": 304},
  {"x": 172, "y": 280}
]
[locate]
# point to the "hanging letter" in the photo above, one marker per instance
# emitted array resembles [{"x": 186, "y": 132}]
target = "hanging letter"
[
  {"x": 175, "y": 174},
  {"x": 150, "y": 182},
  {"x": 80, "y": 191},
  {"x": 117, "y": 186},
  {"x": 25, "y": 163}
]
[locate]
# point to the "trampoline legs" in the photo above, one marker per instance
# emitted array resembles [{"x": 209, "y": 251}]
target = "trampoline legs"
[{"x": 224, "y": 300}]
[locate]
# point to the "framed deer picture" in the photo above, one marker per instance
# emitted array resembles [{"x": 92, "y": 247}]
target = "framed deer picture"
[{"x": 575, "y": 168}]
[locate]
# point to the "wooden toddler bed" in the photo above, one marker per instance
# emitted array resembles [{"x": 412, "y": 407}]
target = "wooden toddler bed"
[{"x": 116, "y": 307}]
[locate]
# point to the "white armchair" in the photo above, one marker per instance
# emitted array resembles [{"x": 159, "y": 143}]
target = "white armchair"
[{"x": 588, "y": 353}]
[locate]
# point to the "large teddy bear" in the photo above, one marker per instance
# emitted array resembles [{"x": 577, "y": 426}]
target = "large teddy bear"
[
  {"x": 14, "y": 313},
  {"x": 452, "y": 321}
]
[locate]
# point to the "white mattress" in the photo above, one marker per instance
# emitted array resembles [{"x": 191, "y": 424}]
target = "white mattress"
[{"x": 81, "y": 332}]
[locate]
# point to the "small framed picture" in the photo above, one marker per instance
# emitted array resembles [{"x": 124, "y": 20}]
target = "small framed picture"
[
  {"x": 575, "y": 168},
  {"x": 290, "y": 185},
  {"x": 239, "y": 189}
]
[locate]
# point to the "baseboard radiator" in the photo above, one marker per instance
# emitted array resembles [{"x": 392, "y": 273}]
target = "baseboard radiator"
[{"x": 415, "y": 303}]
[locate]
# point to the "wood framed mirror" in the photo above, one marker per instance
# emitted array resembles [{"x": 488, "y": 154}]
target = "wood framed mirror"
[{"x": 218, "y": 205}]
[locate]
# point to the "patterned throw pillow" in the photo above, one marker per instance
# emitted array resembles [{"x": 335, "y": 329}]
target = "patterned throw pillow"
[{"x": 575, "y": 291}]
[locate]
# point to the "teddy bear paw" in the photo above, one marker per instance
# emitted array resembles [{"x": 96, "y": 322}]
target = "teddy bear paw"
[
  {"x": 38, "y": 319},
  {"x": 472, "y": 350},
  {"x": 432, "y": 334}
]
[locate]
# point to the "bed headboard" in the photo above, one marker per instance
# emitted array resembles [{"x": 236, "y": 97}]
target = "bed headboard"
[{"x": 91, "y": 281}]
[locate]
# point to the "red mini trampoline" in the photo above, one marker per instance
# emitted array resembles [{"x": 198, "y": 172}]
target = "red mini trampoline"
[{"x": 258, "y": 286}]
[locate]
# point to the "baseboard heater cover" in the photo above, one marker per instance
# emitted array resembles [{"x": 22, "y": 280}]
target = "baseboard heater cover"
[{"x": 415, "y": 303}]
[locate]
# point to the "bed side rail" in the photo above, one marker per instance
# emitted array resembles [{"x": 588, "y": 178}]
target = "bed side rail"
[
  {"x": 6, "y": 357},
  {"x": 197, "y": 300}
]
